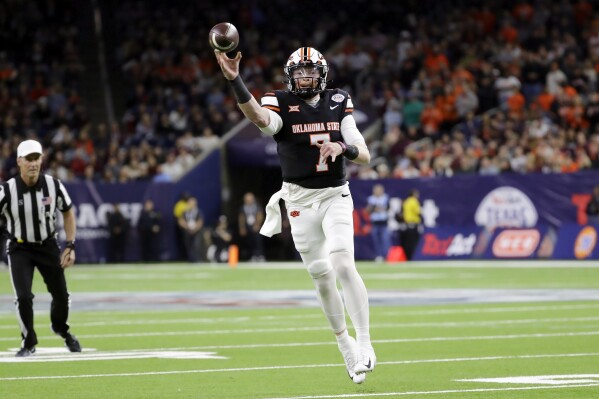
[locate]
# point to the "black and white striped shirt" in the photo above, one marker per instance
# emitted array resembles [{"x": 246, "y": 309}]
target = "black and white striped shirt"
[{"x": 30, "y": 212}]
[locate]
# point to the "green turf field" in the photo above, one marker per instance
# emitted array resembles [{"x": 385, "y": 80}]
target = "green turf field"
[{"x": 441, "y": 330}]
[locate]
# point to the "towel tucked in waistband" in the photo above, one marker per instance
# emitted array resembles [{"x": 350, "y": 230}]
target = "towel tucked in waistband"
[{"x": 294, "y": 195}]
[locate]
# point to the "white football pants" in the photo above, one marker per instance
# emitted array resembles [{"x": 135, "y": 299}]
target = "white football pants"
[{"x": 324, "y": 236}]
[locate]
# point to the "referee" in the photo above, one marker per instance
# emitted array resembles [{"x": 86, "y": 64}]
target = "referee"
[{"x": 28, "y": 204}]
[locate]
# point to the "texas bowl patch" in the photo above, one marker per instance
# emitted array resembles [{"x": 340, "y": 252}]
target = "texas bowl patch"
[{"x": 338, "y": 98}]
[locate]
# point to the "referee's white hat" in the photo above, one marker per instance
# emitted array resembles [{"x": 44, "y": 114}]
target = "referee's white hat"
[{"x": 29, "y": 147}]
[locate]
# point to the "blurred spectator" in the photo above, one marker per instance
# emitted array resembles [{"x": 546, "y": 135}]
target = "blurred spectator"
[
  {"x": 178, "y": 209},
  {"x": 378, "y": 205},
  {"x": 149, "y": 232},
  {"x": 221, "y": 239},
  {"x": 192, "y": 222},
  {"x": 207, "y": 140},
  {"x": 118, "y": 230},
  {"x": 251, "y": 216},
  {"x": 592, "y": 209},
  {"x": 412, "y": 111},
  {"x": 555, "y": 78}
]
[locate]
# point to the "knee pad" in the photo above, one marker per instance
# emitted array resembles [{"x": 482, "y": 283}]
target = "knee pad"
[
  {"x": 343, "y": 263},
  {"x": 319, "y": 268}
]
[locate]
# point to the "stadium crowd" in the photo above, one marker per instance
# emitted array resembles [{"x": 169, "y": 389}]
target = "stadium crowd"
[{"x": 461, "y": 87}]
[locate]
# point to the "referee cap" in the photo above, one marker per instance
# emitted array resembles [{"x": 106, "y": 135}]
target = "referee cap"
[{"x": 29, "y": 147}]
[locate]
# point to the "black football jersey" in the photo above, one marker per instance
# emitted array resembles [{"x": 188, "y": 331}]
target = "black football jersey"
[{"x": 303, "y": 127}]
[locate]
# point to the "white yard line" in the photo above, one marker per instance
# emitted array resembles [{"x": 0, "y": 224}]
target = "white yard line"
[
  {"x": 454, "y": 324},
  {"x": 506, "y": 264},
  {"x": 376, "y": 341},
  {"x": 442, "y": 324},
  {"x": 280, "y": 367},
  {"x": 442, "y": 392},
  {"x": 318, "y": 315},
  {"x": 138, "y": 275},
  {"x": 491, "y": 309}
]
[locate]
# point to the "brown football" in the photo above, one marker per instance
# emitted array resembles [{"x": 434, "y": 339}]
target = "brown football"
[{"x": 224, "y": 37}]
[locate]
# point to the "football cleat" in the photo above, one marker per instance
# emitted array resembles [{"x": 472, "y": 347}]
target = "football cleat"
[
  {"x": 72, "y": 343},
  {"x": 25, "y": 352},
  {"x": 366, "y": 361},
  {"x": 350, "y": 356}
]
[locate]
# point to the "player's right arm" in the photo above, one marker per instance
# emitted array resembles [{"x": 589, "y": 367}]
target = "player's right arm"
[{"x": 247, "y": 103}]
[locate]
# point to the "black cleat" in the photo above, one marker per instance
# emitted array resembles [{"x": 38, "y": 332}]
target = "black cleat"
[
  {"x": 25, "y": 352},
  {"x": 72, "y": 343}
]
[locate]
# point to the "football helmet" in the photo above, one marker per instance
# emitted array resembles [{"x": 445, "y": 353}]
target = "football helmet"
[{"x": 306, "y": 62}]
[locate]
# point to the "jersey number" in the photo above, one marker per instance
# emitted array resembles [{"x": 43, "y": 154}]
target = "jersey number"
[{"x": 321, "y": 138}]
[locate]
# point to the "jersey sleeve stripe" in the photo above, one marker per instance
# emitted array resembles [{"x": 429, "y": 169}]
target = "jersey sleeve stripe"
[
  {"x": 349, "y": 110},
  {"x": 276, "y": 109},
  {"x": 269, "y": 94}
]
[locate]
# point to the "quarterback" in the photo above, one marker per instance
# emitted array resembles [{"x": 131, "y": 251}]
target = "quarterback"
[{"x": 315, "y": 130}]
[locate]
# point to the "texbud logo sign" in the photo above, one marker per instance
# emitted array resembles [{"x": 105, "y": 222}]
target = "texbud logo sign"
[{"x": 506, "y": 207}]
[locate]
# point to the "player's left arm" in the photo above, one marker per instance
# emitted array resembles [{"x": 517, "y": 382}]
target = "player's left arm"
[{"x": 353, "y": 137}]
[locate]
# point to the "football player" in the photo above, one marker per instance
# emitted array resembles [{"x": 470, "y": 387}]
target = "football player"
[{"x": 315, "y": 130}]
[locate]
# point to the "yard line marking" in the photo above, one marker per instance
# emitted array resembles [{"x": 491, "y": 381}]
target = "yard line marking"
[
  {"x": 528, "y": 264},
  {"x": 493, "y": 309},
  {"x": 137, "y": 275},
  {"x": 65, "y": 356},
  {"x": 411, "y": 276},
  {"x": 326, "y": 328},
  {"x": 448, "y": 391},
  {"x": 237, "y": 319},
  {"x": 381, "y": 341},
  {"x": 532, "y": 264},
  {"x": 376, "y": 325},
  {"x": 554, "y": 379},
  {"x": 263, "y": 368}
]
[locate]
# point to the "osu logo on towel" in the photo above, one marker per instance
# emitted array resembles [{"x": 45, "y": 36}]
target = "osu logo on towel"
[{"x": 294, "y": 214}]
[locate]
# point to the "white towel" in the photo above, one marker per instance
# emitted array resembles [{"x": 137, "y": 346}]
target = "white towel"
[{"x": 272, "y": 222}]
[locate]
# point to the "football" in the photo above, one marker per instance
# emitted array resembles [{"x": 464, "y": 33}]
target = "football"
[{"x": 224, "y": 37}]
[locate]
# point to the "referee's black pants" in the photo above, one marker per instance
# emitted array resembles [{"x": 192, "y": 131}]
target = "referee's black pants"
[
  {"x": 22, "y": 259},
  {"x": 409, "y": 240}
]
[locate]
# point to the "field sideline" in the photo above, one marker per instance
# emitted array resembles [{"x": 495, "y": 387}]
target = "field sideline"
[{"x": 442, "y": 330}]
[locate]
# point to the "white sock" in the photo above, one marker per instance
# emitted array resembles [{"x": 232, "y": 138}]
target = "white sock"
[
  {"x": 363, "y": 337},
  {"x": 355, "y": 295},
  {"x": 342, "y": 339},
  {"x": 330, "y": 301}
]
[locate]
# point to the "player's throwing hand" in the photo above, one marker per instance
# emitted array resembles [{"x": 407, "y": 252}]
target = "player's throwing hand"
[{"x": 229, "y": 66}]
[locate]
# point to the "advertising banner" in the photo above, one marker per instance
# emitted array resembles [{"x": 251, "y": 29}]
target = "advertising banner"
[{"x": 518, "y": 201}]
